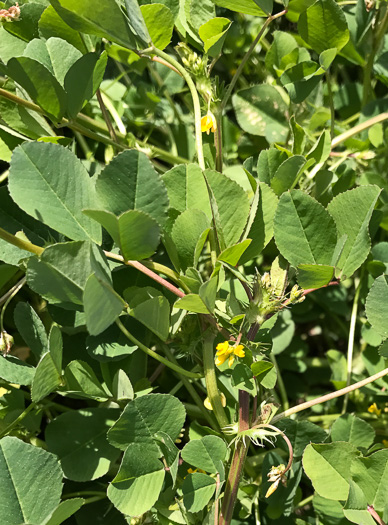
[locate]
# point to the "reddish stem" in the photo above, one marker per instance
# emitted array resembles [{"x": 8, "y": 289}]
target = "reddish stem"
[{"x": 374, "y": 515}]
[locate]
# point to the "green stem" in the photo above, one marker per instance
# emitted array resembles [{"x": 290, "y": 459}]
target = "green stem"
[
  {"x": 194, "y": 96},
  {"x": 381, "y": 29},
  {"x": 191, "y": 390},
  {"x": 246, "y": 57},
  {"x": 17, "y": 420},
  {"x": 106, "y": 117},
  {"x": 84, "y": 124},
  {"x": 20, "y": 243},
  {"x": 4, "y": 176},
  {"x": 156, "y": 356},
  {"x": 331, "y": 104},
  {"x": 238, "y": 460},
  {"x": 328, "y": 397},
  {"x": 280, "y": 383},
  {"x": 211, "y": 379},
  {"x": 83, "y": 493},
  {"x": 11, "y": 295},
  {"x": 305, "y": 501},
  {"x": 352, "y": 329},
  {"x": 232, "y": 484},
  {"x": 218, "y": 142},
  {"x": 357, "y": 129}
]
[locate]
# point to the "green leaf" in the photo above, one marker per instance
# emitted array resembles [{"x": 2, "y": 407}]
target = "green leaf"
[
  {"x": 79, "y": 439},
  {"x": 55, "y": 197},
  {"x": 104, "y": 19},
  {"x": 46, "y": 379},
  {"x": 301, "y": 79},
  {"x": 353, "y": 430},
  {"x": 265, "y": 5},
  {"x": 376, "y": 306},
  {"x": 328, "y": 509},
  {"x": 192, "y": 303},
  {"x": 197, "y": 490},
  {"x": 233, "y": 254},
  {"x": 328, "y": 467},
  {"x": 137, "y": 21},
  {"x": 242, "y": 379},
  {"x": 371, "y": 475},
  {"x": 283, "y": 44},
  {"x": 26, "y": 27},
  {"x": 160, "y": 23},
  {"x": 10, "y": 46},
  {"x": 213, "y": 34},
  {"x": 323, "y": 26},
  {"x": 355, "y": 509},
  {"x": 260, "y": 369},
  {"x": 248, "y": 7},
  {"x": 82, "y": 381},
  {"x": 110, "y": 345},
  {"x": 145, "y": 416},
  {"x": 139, "y": 481},
  {"x": 321, "y": 150},
  {"x": 64, "y": 510},
  {"x": 150, "y": 308},
  {"x": 186, "y": 188},
  {"x": 170, "y": 453},
  {"x": 31, "y": 482},
  {"x": 102, "y": 305},
  {"x": 230, "y": 206},
  {"x": 186, "y": 232},
  {"x": 130, "y": 182},
  {"x": 268, "y": 163},
  {"x": 40, "y": 84},
  {"x": 301, "y": 433},
  {"x": 260, "y": 110},
  {"x": 51, "y": 24},
  {"x": 287, "y": 174},
  {"x": 55, "y": 54},
  {"x": 205, "y": 453},
  {"x": 82, "y": 81},
  {"x": 14, "y": 220},
  {"x": 56, "y": 346},
  {"x": 61, "y": 272},
  {"x": 261, "y": 228},
  {"x": 314, "y": 275},
  {"x": 122, "y": 388},
  {"x": 16, "y": 371},
  {"x": 31, "y": 329},
  {"x": 299, "y": 137},
  {"x": 352, "y": 211},
  {"x": 304, "y": 230},
  {"x": 135, "y": 232}
]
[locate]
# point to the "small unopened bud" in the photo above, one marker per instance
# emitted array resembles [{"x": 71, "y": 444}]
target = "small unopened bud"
[
  {"x": 296, "y": 295},
  {"x": 6, "y": 342},
  {"x": 266, "y": 280},
  {"x": 275, "y": 475}
]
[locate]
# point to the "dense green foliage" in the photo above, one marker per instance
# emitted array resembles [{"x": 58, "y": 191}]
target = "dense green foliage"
[{"x": 194, "y": 262}]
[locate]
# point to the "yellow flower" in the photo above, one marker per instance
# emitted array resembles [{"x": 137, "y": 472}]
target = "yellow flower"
[
  {"x": 192, "y": 471},
  {"x": 208, "y": 405},
  {"x": 226, "y": 351},
  {"x": 373, "y": 409},
  {"x": 208, "y": 123},
  {"x": 385, "y": 443}
]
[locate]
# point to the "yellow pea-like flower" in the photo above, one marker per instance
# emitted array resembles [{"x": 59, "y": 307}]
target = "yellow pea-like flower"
[
  {"x": 373, "y": 409},
  {"x": 208, "y": 123},
  {"x": 226, "y": 351}
]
